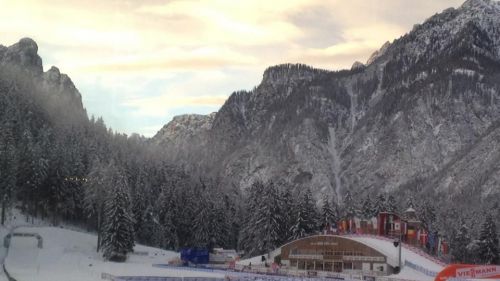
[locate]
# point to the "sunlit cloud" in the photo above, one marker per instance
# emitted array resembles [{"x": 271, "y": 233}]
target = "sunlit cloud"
[
  {"x": 159, "y": 106},
  {"x": 137, "y": 63}
]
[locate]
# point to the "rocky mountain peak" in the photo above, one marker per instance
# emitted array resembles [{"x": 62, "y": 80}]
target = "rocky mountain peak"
[
  {"x": 357, "y": 65},
  {"x": 479, "y": 4},
  {"x": 378, "y": 53},
  {"x": 288, "y": 73},
  {"x": 23, "y": 54},
  {"x": 184, "y": 126}
]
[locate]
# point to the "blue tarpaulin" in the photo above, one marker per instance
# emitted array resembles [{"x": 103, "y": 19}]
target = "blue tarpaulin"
[{"x": 194, "y": 255}]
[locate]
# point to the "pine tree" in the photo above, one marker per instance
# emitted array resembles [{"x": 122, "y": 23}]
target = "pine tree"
[
  {"x": 306, "y": 220},
  {"x": 391, "y": 204},
  {"x": 202, "y": 225},
  {"x": 428, "y": 216},
  {"x": 96, "y": 190},
  {"x": 410, "y": 202},
  {"x": 379, "y": 205},
  {"x": 170, "y": 240},
  {"x": 327, "y": 213},
  {"x": 459, "y": 243},
  {"x": 287, "y": 206},
  {"x": 165, "y": 205},
  {"x": 268, "y": 220},
  {"x": 488, "y": 242},
  {"x": 118, "y": 233},
  {"x": 350, "y": 208},
  {"x": 367, "y": 209},
  {"x": 8, "y": 169},
  {"x": 249, "y": 232}
]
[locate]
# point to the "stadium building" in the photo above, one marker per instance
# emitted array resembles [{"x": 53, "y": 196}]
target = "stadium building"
[{"x": 333, "y": 253}]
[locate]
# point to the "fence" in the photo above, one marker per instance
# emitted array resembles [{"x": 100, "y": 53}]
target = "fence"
[
  {"x": 421, "y": 269},
  {"x": 110, "y": 277},
  {"x": 411, "y": 248}
]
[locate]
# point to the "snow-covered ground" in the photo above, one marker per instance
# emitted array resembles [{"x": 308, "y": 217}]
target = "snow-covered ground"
[
  {"x": 387, "y": 248},
  {"x": 71, "y": 255}
]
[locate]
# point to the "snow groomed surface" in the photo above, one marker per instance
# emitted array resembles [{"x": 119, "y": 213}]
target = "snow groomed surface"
[{"x": 71, "y": 255}]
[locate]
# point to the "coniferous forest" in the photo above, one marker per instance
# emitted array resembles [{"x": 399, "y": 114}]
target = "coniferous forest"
[{"x": 59, "y": 165}]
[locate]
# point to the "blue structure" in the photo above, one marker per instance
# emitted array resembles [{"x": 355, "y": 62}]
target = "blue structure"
[{"x": 194, "y": 256}]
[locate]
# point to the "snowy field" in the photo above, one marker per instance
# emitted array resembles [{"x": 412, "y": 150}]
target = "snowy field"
[{"x": 69, "y": 255}]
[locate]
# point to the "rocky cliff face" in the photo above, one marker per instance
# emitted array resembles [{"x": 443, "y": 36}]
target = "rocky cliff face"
[
  {"x": 22, "y": 66},
  {"x": 423, "y": 114}
]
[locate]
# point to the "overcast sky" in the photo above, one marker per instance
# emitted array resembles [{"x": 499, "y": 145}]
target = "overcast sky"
[{"x": 139, "y": 63}]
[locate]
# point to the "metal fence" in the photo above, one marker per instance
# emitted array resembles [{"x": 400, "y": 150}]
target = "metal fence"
[
  {"x": 110, "y": 277},
  {"x": 421, "y": 269}
]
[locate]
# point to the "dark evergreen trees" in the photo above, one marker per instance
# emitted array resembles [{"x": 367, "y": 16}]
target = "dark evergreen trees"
[
  {"x": 328, "y": 215},
  {"x": 380, "y": 204},
  {"x": 118, "y": 233},
  {"x": 367, "y": 208},
  {"x": 391, "y": 205},
  {"x": 488, "y": 242},
  {"x": 350, "y": 209},
  {"x": 268, "y": 220},
  {"x": 459, "y": 244},
  {"x": 306, "y": 217}
]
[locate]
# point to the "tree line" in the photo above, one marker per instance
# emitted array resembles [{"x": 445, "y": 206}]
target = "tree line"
[{"x": 60, "y": 165}]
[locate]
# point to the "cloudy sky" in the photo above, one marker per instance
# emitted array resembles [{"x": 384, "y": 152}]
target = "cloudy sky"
[{"x": 139, "y": 63}]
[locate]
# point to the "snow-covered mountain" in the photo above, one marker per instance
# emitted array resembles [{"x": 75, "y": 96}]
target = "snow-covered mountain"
[{"x": 423, "y": 115}]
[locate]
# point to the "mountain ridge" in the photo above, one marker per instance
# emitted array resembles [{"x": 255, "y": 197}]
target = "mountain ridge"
[{"x": 419, "y": 102}]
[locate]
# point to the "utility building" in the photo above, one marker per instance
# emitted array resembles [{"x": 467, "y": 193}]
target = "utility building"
[{"x": 335, "y": 254}]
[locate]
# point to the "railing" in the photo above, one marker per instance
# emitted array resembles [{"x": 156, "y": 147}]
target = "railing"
[
  {"x": 413, "y": 249},
  {"x": 111, "y": 277},
  {"x": 421, "y": 269}
]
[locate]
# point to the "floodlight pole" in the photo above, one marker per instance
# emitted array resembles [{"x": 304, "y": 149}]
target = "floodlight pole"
[{"x": 400, "y": 246}]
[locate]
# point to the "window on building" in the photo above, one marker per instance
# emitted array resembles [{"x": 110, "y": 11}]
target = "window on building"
[
  {"x": 357, "y": 266},
  {"x": 347, "y": 265}
]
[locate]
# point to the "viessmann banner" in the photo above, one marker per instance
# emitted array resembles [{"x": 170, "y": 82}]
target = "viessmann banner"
[{"x": 468, "y": 271}]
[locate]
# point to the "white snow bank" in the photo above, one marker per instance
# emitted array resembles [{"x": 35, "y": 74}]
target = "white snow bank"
[
  {"x": 387, "y": 248},
  {"x": 71, "y": 255}
]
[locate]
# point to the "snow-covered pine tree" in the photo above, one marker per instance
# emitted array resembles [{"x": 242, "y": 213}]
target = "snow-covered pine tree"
[
  {"x": 202, "y": 225},
  {"x": 459, "y": 243},
  {"x": 268, "y": 220},
  {"x": 306, "y": 220},
  {"x": 367, "y": 209},
  {"x": 410, "y": 202},
  {"x": 391, "y": 204},
  {"x": 287, "y": 207},
  {"x": 8, "y": 167},
  {"x": 328, "y": 215},
  {"x": 380, "y": 204},
  {"x": 350, "y": 208},
  {"x": 428, "y": 215},
  {"x": 118, "y": 232},
  {"x": 488, "y": 242},
  {"x": 148, "y": 231},
  {"x": 249, "y": 231},
  {"x": 95, "y": 193},
  {"x": 165, "y": 207}
]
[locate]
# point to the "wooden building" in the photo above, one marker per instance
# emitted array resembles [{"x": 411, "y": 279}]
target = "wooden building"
[{"x": 335, "y": 254}]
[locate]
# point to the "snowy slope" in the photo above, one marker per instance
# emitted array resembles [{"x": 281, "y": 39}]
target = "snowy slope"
[
  {"x": 70, "y": 256},
  {"x": 387, "y": 248}
]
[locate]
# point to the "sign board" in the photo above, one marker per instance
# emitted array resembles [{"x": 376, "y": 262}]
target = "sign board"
[{"x": 464, "y": 271}]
